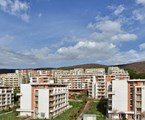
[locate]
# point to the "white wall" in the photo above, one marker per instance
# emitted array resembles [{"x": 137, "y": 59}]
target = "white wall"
[
  {"x": 94, "y": 87},
  {"x": 25, "y": 100},
  {"x": 43, "y": 102},
  {"x": 143, "y": 100},
  {"x": 120, "y": 99}
]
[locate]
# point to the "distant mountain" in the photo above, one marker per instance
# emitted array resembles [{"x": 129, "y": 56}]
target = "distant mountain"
[
  {"x": 45, "y": 68},
  {"x": 3, "y": 71},
  {"x": 83, "y": 66},
  {"x": 137, "y": 66}
]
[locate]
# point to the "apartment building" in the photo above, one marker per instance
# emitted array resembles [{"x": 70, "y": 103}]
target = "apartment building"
[
  {"x": 118, "y": 74},
  {"x": 41, "y": 79},
  {"x": 27, "y": 75},
  {"x": 78, "y": 71},
  {"x": 97, "y": 87},
  {"x": 43, "y": 100},
  {"x": 76, "y": 83},
  {"x": 94, "y": 71},
  {"x": 126, "y": 98},
  {"x": 11, "y": 80},
  {"x": 6, "y": 97}
]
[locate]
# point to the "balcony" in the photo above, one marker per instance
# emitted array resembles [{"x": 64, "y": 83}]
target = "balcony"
[
  {"x": 24, "y": 110},
  {"x": 58, "y": 93},
  {"x": 138, "y": 100},
  {"x": 19, "y": 94},
  {"x": 51, "y": 104},
  {"x": 51, "y": 99},
  {"x": 138, "y": 106},
  {"x": 112, "y": 93}
]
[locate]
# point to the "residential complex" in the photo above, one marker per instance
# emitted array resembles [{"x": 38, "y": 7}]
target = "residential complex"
[
  {"x": 126, "y": 98},
  {"x": 117, "y": 73},
  {"x": 6, "y": 98},
  {"x": 43, "y": 100},
  {"x": 11, "y": 80}
]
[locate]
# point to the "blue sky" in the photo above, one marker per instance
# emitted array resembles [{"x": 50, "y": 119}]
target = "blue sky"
[{"x": 53, "y": 33}]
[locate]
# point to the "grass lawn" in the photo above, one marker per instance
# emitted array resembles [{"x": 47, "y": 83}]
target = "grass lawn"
[
  {"x": 99, "y": 109},
  {"x": 10, "y": 116},
  {"x": 66, "y": 115}
]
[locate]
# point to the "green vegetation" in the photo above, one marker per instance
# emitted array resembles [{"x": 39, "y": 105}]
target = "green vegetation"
[
  {"x": 95, "y": 107},
  {"x": 6, "y": 110},
  {"x": 72, "y": 112},
  {"x": 135, "y": 75},
  {"x": 9, "y": 116},
  {"x": 98, "y": 108}
]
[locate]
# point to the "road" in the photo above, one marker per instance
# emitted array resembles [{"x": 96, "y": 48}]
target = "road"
[
  {"x": 83, "y": 111},
  {"x": 6, "y": 113}
]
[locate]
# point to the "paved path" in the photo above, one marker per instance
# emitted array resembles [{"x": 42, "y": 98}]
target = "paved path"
[
  {"x": 85, "y": 108},
  {"x": 5, "y": 113}
]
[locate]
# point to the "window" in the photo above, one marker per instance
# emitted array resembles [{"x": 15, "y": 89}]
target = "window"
[{"x": 42, "y": 114}]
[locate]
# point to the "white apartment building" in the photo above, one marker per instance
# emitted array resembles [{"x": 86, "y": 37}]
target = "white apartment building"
[
  {"x": 126, "y": 98},
  {"x": 41, "y": 79},
  {"x": 43, "y": 100},
  {"x": 97, "y": 87},
  {"x": 6, "y": 97},
  {"x": 94, "y": 71},
  {"x": 11, "y": 80},
  {"x": 117, "y": 73}
]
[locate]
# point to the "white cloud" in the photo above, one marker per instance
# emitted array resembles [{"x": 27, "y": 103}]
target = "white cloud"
[
  {"x": 16, "y": 8},
  {"x": 108, "y": 26},
  {"x": 140, "y": 2},
  {"x": 116, "y": 9},
  {"x": 88, "y": 50},
  {"x": 138, "y": 14},
  {"x": 142, "y": 46},
  {"x": 25, "y": 17},
  {"x": 124, "y": 37},
  {"x": 10, "y": 58},
  {"x": 111, "y": 30},
  {"x": 119, "y": 10},
  {"x": 6, "y": 40}
]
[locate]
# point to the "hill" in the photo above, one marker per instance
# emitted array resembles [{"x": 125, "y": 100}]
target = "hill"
[
  {"x": 83, "y": 66},
  {"x": 137, "y": 66},
  {"x": 3, "y": 71}
]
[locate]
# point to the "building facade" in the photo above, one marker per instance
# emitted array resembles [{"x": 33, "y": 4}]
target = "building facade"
[
  {"x": 43, "y": 100},
  {"x": 126, "y": 98},
  {"x": 11, "y": 80},
  {"x": 6, "y": 97}
]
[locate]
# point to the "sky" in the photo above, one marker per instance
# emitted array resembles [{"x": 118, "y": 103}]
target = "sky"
[{"x": 54, "y": 33}]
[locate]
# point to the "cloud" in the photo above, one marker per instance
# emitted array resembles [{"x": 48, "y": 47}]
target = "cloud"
[
  {"x": 140, "y": 2},
  {"x": 10, "y": 58},
  {"x": 124, "y": 37},
  {"x": 6, "y": 40},
  {"x": 87, "y": 50},
  {"x": 142, "y": 46},
  {"x": 116, "y": 9},
  {"x": 127, "y": 57},
  {"x": 119, "y": 10},
  {"x": 138, "y": 14},
  {"x": 16, "y": 8},
  {"x": 111, "y": 30}
]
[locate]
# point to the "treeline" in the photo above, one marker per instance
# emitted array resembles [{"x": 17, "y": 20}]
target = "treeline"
[{"x": 135, "y": 75}]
